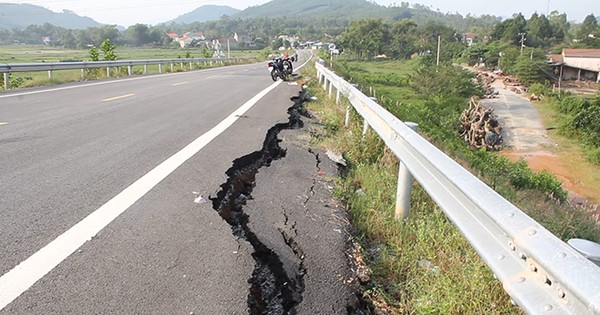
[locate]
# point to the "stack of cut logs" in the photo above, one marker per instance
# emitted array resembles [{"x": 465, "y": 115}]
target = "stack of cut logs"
[
  {"x": 515, "y": 85},
  {"x": 479, "y": 128},
  {"x": 486, "y": 81}
]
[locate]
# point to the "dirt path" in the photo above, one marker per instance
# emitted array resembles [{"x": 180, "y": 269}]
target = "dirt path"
[{"x": 526, "y": 137}]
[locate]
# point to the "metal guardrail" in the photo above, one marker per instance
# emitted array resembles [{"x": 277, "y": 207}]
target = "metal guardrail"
[
  {"x": 53, "y": 66},
  {"x": 541, "y": 273}
]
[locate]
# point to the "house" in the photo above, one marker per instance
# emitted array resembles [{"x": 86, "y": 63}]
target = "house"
[
  {"x": 469, "y": 38},
  {"x": 188, "y": 38},
  {"x": 577, "y": 64},
  {"x": 46, "y": 40}
]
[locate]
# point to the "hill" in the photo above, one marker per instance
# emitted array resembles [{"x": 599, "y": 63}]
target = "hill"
[
  {"x": 204, "y": 13},
  {"x": 22, "y": 15},
  {"x": 348, "y": 9}
]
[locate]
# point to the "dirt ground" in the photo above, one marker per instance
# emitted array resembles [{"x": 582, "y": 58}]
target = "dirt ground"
[{"x": 526, "y": 137}]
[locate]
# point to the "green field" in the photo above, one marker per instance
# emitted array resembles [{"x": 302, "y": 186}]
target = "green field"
[
  {"x": 38, "y": 53},
  {"x": 14, "y": 54}
]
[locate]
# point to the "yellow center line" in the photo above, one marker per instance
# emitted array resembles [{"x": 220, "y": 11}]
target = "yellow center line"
[
  {"x": 181, "y": 83},
  {"x": 3, "y": 123},
  {"x": 117, "y": 97}
]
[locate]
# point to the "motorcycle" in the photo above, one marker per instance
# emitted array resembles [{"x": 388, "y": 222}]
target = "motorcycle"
[
  {"x": 287, "y": 66},
  {"x": 278, "y": 70}
]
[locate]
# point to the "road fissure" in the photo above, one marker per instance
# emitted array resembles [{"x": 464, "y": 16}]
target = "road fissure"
[{"x": 272, "y": 290}]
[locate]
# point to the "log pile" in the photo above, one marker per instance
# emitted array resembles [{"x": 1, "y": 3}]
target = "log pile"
[
  {"x": 479, "y": 127},
  {"x": 514, "y": 85},
  {"x": 486, "y": 80}
]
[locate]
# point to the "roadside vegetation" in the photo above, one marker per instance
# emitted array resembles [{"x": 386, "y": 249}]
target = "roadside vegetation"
[
  {"x": 107, "y": 50},
  {"x": 423, "y": 265}
]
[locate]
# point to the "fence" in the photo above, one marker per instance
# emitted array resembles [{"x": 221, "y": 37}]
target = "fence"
[
  {"x": 541, "y": 273},
  {"x": 52, "y": 66}
]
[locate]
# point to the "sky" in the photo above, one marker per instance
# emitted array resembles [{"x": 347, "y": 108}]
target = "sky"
[{"x": 129, "y": 12}]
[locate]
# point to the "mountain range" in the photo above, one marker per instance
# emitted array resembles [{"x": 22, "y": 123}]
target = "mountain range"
[
  {"x": 22, "y": 15},
  {"x": 205, "y": 13},
  {"x": 14, "y": 15}
]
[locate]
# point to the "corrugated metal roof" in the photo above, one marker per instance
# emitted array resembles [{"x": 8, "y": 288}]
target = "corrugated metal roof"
[{"x": 583, "y": 53}]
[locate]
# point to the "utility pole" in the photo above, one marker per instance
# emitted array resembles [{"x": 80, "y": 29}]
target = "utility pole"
[
  {"x": 522, "y": 40},
  {"x": 438, "y": 50}
]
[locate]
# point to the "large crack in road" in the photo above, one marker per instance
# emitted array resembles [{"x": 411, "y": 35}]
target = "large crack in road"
[{"x": 273, "y": 291}]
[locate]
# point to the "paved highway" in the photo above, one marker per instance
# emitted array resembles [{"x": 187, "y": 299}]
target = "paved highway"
[{"x": 106, "y": 189}]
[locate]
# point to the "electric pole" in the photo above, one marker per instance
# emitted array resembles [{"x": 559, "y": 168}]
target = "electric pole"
[
  {"x": 522, "y": 40},
  {"x": 439, "y": 46}
]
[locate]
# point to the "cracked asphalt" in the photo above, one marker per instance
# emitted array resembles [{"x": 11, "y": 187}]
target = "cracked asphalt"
[{"x": 311, "y": 217}]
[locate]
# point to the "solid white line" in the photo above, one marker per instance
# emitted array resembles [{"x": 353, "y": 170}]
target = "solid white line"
[
  {"x": 62, "y": 88},
  {"x": 181, "y": 83},
  {"x": 28, "y": 272}
]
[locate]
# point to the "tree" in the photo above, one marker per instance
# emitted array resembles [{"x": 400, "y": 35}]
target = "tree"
[
  {"x": 589, "y": 26},
  {"x": 539, "y": 31},
  {"x": 589, "y": 32},
  {"x": 509, "y": 29},
  {"x": 109, "y": 50},
  {"x": 278, "y": 42},
  {"x": 68, "y": 40},
  {"x": 138, "y": 35},
  {"x": 402, "y": 38},
  {"x": 560, "y": 27},
  {"x": 365, "y": 37},
  {"x": 531, "y": 67}
]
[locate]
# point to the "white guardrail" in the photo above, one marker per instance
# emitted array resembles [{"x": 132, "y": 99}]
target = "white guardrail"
[
  {"x": 52, "y": 66},
  {"x": 541, "y": 273}
]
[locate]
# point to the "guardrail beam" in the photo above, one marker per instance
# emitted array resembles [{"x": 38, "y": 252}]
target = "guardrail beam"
[{"x": 540, "y": 272}]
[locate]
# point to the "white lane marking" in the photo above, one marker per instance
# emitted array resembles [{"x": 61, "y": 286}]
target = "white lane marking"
[
  {"x": 108, "y": 82},
  {"x": 117, "y": 97},
  {"x": 29, "y": 271},
  {"x": 180, "y": 83}
]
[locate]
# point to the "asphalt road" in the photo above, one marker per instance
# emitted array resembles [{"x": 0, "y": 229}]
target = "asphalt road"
[
  {"x": 106, "y": 189},
  {"x": 522, "y": 126}
]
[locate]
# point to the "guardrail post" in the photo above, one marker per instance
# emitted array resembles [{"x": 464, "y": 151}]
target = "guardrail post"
[
  {"x": 172, "y": 67},
  {"x": 405, "y": 182},
  {"x": 108, "y": 72},
  {"x": 365, "y": 128},
  {"x": 338, "y": 97},
  {"x": 330, "y": 88},
  {"x": 49, "y": 74},
  {"x": 145, "y": 69},
  {"x": 347, "y": 121},
  {"x": 6, "y": 80},
  {"x": 191, "y": 65},
  {"x": 182, "y": 67},
  {"x": 129, "y": 70},
  {"x": 159, "y": 68},
  {"x": 325, "y": 83}
]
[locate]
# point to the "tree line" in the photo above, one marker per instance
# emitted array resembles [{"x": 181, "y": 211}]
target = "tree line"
[{"x": 515, "y": 45}]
